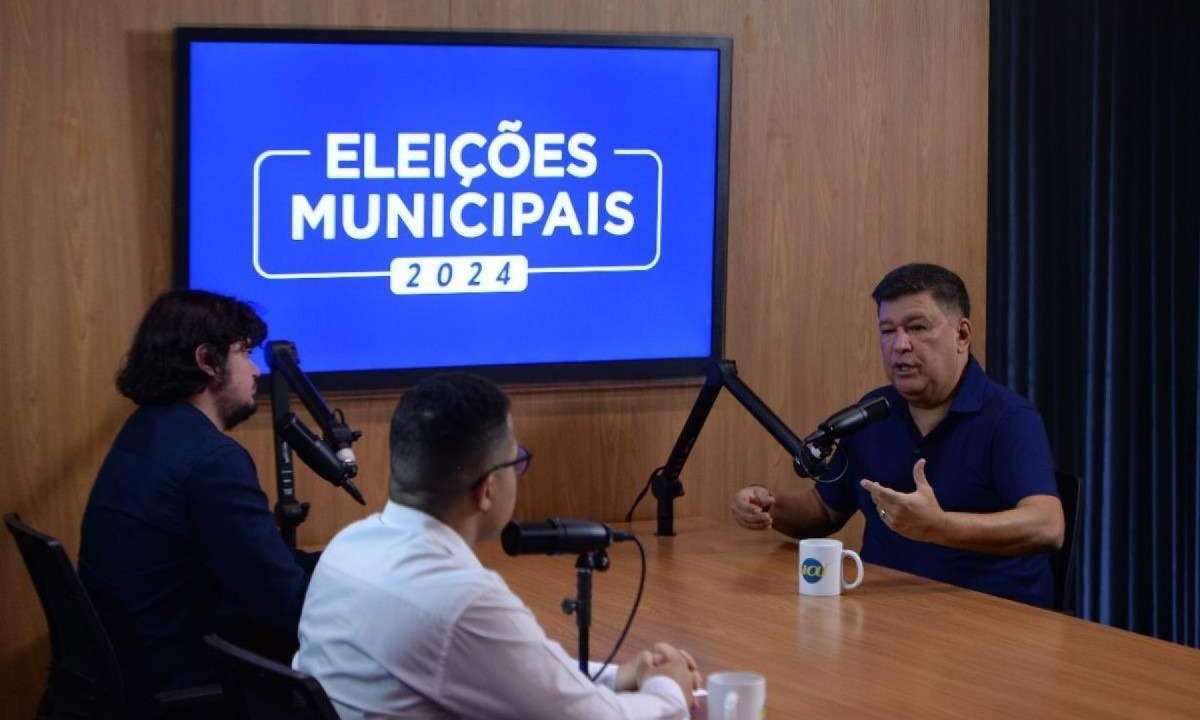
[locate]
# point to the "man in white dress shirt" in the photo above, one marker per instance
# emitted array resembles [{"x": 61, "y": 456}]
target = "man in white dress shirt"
[{"x": 402, "y": 621}]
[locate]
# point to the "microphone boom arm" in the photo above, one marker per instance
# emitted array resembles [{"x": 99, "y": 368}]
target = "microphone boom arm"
[
  {"x": 664, "y": 482},
  {"x": 285, "y": 361},
  {"x": 328, "y": 455}
]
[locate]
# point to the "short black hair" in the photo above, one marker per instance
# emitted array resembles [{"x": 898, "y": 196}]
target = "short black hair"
[
  {"x": 948, "y": 288},
  {"x": 161, "y": 368},
  {"x": 444, "y": 432}
]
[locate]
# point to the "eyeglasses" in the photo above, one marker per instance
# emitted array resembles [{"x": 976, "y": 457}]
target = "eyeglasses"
[{"x": 520, "y": 465}]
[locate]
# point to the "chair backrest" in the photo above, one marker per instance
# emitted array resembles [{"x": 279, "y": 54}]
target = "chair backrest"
[
  {"x": 85, "y": 678},
  {"x": 1063, "y": 559},
  {"x": 257, "y": 688}
]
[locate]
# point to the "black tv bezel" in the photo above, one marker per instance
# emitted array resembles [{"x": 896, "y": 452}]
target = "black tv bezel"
[{"x": 546, "y": 374}]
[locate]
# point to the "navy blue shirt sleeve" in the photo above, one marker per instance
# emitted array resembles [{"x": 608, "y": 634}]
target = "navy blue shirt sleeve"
[
  {"x": 239, "y": 542},
  {"x": 1021, "y": 462}
]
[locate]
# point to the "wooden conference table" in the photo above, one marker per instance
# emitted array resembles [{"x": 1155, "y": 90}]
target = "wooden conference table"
[{"x": 898, "y": 646}]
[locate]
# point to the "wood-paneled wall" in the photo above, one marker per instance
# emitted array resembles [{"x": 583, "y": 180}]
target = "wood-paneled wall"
[{"x": 858, "y": 143}]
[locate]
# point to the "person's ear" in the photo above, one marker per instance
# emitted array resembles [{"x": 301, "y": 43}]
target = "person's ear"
[
  {"x": 482, "y": 494},
  {"x": 205, "y": 360},
  {"x": 964, "y": 334}
]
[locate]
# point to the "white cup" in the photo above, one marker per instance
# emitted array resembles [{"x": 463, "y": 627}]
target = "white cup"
[
  {"x": 821, "y": 567},
  {"x": 737, "y": 696}
]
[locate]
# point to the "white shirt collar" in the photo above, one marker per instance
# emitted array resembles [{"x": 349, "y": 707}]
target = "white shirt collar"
[{"x": 416, "y": 521}]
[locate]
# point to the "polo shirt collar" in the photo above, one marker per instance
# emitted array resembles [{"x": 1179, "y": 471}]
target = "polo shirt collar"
[{"x": 969, "y": 397}]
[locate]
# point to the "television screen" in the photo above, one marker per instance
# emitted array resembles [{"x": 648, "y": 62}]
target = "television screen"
[{"x": 534, "y": 207}]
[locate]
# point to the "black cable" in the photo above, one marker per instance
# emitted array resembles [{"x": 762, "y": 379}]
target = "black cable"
[
  {"x": 642, "y": 494},
  {"x": 636, "y": 601}
]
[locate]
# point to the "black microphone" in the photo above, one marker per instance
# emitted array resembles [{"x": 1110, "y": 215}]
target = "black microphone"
[
  {"x": 316, "y": 454},
  {"x": 849, "y": 420},
  {"x": 558, "y": 537}
]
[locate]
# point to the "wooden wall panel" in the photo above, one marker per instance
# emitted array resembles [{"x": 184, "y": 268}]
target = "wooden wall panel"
[{"x": 858, "y": 143}]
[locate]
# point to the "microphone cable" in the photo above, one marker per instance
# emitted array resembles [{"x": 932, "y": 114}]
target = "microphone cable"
[
  {"x": 642, "y": 494},
  {"x": 632, "y": 612}
]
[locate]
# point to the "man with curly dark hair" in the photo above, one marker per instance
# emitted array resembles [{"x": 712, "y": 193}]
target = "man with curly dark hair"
[{"x": 178, "y": 539}]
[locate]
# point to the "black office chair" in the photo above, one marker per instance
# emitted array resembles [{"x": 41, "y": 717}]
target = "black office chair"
[
  {"x": 85, "y": 681},
  {"x": 257, "y": 688},
  {"x": 1063, "y": 559}
]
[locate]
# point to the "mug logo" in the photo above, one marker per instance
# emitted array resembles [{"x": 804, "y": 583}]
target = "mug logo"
[{"x": 812, "y": 570}]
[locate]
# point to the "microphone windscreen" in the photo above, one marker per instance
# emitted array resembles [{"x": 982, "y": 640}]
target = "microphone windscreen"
[{"x": 877, "y": 408}]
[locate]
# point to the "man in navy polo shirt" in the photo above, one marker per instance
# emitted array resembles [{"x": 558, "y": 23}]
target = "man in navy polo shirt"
[{"x": 957, "y": 483}]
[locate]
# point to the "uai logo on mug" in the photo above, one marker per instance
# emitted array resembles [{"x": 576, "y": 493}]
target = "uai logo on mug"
[{"x": 812, "y": 570}]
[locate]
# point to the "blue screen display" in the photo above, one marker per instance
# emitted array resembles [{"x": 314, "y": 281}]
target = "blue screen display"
[{"x": 388, "y": 205}]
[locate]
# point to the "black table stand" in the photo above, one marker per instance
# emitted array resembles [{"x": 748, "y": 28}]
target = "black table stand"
[{"x": 581, "y": 604}]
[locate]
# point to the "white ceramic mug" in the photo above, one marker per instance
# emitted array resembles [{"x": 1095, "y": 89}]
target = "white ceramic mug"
[
  {"x": 821, "y": 567},
  {"x": 737, "y": 696}
]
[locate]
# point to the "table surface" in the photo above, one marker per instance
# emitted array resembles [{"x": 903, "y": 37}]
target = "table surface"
[{"x": 898, "y": 646}]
